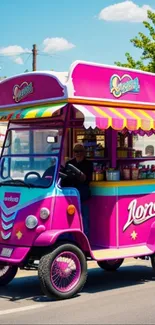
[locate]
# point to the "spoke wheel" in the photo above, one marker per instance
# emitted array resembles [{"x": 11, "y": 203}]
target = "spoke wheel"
[
  {"x": 7, "y": 274},
  {"x": 111, "y": 265},
  {"x": 63, "y": 272}
]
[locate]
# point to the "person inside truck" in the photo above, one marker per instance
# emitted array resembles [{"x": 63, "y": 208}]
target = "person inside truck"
[{"x": 82, "y": 182}]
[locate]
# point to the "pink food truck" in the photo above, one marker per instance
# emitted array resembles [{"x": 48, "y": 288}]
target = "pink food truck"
[{"x": 41, "y": 223}]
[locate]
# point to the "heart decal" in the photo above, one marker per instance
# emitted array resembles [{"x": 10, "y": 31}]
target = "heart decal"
[
  {"x": 122, "y": 85},
  {"x": 22, "y": 91}
]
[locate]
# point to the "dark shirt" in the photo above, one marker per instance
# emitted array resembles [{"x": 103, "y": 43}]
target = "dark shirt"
[{"x": 86, "y": 167}]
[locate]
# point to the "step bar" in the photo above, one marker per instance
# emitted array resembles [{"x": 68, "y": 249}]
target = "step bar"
[{"x": 116, "y": 253}]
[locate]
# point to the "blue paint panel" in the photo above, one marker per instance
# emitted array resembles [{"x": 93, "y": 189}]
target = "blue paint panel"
[
  {"x": 135, "y": 190},
  {"x": 105, "y": 191},
  {"x": 123, "y": 190}
]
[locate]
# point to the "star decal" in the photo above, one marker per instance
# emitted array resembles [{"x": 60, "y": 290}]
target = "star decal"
[
  {"x": 19, "y": 234},
  {"x": 134, "y": 235}
]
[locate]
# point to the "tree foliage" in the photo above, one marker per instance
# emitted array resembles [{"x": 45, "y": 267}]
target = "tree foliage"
[{"x": 146, "y": 44}]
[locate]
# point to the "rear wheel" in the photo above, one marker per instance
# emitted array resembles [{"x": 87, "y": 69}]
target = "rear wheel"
[
  {"x": 7, "y": 274},
  {"x": 63, "y": 272},
  {"x": 153, "y": 261},
  {"x": 111, "y": 265}
]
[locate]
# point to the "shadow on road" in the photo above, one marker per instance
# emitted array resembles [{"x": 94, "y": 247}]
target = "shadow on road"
[{"x": 98, "y": 280}]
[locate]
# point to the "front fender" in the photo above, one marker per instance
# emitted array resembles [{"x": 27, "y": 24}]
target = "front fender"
[{"x": 50, "y": 237}]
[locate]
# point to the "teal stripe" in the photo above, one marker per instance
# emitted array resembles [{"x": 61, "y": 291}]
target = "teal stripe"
[
  {"x": 123, "y": 190},
  {"x": 105, "y": 191}
]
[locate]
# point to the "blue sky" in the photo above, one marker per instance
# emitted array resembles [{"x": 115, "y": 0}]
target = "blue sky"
[{"x": 65, "y": 31}]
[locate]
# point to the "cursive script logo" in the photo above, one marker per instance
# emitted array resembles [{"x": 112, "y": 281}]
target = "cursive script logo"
[
  {"x": 139, "y": 214},
  {"x": 22, "y": 91},
  {"x": 123, "y": 85}
]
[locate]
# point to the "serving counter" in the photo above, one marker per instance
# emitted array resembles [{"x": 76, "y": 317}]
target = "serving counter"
[
  {"x": 122, "y": 187},
  {"x": 119, "y": 207}
]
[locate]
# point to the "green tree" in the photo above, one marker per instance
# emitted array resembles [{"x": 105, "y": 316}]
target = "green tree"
[{"x": 146, "y": 44}]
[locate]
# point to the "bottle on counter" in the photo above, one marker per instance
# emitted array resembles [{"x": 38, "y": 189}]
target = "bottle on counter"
[
  {"x": 98, "y": 174},
  {"x": 134, "y": 172},
  {"x": 148, "y": 172},
  {"x": 126, "y": 173},
  {"x": 153, "y": 171},
  {"x": 142, "y": 173}
]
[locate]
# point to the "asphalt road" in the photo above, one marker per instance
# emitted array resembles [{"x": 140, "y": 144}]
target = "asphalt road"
[{"x": 123, "y": 297}]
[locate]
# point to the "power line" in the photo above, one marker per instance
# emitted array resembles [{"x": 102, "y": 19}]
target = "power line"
[
  {"x": 14, "y": 54},
  {"x": 34, "y": 53},
  {"x": 51, "y": 55},
  {"x": 27, "y": 58}
]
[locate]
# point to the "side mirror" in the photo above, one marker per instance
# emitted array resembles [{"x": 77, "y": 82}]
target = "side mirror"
[{"x": 51, "y": 139}]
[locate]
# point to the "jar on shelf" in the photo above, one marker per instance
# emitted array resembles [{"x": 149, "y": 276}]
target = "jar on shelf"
[
  {"x": 122, "y": 152},
  {"x": 99, "y": 151},
  {"x": 131, "y": 153},
  {"x": 89, "y": 152},
  {"x": 138, "y": 153}
]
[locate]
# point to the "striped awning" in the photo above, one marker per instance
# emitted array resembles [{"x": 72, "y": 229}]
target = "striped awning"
[
  {"x": 94, "y": 116},
  {"x": 117, "y": 118},
  {"x": 31, "y": 112}
]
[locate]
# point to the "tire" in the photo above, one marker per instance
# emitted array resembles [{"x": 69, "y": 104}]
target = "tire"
[
  {"x": 111, "y": 265},
  {"x": 7, "y": 274},
  {"x": 153, "y": 262},
  {"x": 54, "y": 267}
]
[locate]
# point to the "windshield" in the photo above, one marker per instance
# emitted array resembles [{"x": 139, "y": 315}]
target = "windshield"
[{"x": 30, "y": 157}]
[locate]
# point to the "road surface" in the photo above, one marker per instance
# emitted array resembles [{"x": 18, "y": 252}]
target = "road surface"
[{"x": 123, "y": 297}]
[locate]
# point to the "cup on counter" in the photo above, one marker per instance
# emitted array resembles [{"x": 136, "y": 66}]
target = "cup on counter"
[{"x": 113, "y": 175}]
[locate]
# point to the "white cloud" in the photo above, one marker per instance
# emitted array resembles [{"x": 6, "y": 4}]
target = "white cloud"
[
  {"x": 125, "y": 11},
  {"x": 14, "y": 52},
  {"x": 18, "y": 60},
  {"x": 56, "y": 44}
]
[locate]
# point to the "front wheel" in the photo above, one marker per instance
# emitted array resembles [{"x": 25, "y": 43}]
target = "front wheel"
[
  {"x": 63, "y": 272},
  {"x": 7, "y": 274},
  {"x": 111, "y": 265}
]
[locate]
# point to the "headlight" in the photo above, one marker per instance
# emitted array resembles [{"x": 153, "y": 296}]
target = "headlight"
[
  {"x": 31, "y": 222},
  {"x": 44, "y": 213}
]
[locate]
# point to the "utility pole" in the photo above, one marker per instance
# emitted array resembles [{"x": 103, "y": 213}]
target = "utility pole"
[{"x": 34, "y": 56}]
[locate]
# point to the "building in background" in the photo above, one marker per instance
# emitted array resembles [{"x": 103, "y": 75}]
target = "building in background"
[
  {"x": 3, "y": 128},
  {"x": 146, "y": 144}
]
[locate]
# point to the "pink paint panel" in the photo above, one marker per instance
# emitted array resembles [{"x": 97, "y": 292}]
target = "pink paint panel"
[
  {"x": 17, "y": 256},
  {"x": 136, "y": 216},
  {"x": 27, "y": 236},
  {"x": 103, "y": 221},
  {"x": 61, "y": 219},
  {"x": 92, "y": 81},
  {"x": 30, "y": 88}
]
